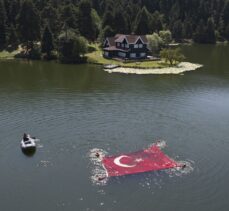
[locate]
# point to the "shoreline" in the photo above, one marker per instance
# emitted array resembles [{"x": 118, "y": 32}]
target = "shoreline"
[{"x": 180, "y": 68}]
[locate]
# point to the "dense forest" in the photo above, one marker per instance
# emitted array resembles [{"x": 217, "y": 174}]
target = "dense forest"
[{"x": 24, "y": 21}]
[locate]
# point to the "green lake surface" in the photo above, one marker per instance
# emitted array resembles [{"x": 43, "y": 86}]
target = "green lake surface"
[{"x": 75, "y": 108}]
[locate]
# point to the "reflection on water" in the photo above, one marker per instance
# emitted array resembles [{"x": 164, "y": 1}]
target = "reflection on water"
[{"x": 73, "y": 109}]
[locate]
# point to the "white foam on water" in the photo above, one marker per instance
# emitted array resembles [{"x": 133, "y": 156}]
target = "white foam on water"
[
  {"x": 161, "y": 144},
  {"x": 37, "y": 140},
  {"x": 40, "y": 145},
  {"x": 180, "y": 68},
  {"x": 99, "y": 174},
  {"x": 44, "y": 163},
  {"x": 181, "y": 171}
]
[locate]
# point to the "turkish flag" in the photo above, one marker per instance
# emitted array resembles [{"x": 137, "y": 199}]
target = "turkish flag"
[{"x": 150, "y": 159}]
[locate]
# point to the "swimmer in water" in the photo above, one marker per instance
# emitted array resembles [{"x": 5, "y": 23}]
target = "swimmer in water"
[
  {"x": 97, "y": 154},
  {"x": 100, "y": 178}
]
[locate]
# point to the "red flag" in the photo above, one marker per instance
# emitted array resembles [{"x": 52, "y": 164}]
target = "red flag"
[{"x": 150, "y": 159}]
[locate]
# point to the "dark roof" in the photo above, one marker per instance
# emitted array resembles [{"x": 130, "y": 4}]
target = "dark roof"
[
  {"x": 131, "y": 39},
  {"x": 111, "y": 41}
]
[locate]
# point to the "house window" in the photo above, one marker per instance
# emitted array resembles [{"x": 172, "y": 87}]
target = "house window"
[
  {"x": 133, "y": 55},
  {"x": 142, "y": 54},
  {"x": 127, "y": 45},
  {"x": 106, "y": 54},
  {"x": 123, "y": 45},
  {"x": 121, "y": 54},
  {"x": 136, "y": 46},
  {"x": 118, "y": 44},
  {"x": 140, "y": 45}
]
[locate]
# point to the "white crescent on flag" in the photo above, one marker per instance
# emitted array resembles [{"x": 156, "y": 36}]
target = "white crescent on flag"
[{"x": 117, "y": 161}]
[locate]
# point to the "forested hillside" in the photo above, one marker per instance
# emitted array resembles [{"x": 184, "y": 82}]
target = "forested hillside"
[{"x": 26, "y": 20}]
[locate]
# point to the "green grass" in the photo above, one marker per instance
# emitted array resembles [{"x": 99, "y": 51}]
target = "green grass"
[
  {"x": 96, "y": 57},
  {"x": 8, "y": 55}
]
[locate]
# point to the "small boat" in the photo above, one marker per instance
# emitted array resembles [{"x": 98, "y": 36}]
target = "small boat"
[
  {"x": 110, "y": 66},
  {"x": 28, "y": 144}
]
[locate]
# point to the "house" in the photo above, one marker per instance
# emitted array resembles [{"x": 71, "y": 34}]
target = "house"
[{"x": 126, "y": 47}]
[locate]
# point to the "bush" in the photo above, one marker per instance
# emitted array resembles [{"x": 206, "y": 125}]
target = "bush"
[
  {"x": 33, "y": 53},
  {"x": 72, "y": 48}
]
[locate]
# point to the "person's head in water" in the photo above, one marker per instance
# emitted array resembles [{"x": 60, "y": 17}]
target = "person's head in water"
[{"x": 97, "y": 154}]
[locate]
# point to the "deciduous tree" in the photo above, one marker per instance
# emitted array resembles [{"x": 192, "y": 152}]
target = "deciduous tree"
[{"x": 172, "y": 55}]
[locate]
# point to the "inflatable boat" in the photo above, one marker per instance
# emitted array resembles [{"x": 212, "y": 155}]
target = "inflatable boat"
[{"x": 28, "y": 144}]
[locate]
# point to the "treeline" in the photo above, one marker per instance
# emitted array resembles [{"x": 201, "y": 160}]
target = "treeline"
[{"x": 26, "y": 21}]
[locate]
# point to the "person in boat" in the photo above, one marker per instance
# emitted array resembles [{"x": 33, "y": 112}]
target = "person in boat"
[{"x": 25, "y": 137}]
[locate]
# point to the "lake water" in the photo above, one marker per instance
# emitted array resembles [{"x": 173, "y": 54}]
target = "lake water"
[{"x": 73, "y": 109}]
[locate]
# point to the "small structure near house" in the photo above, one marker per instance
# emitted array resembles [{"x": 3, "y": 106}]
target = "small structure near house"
[{"x": 126, "y": 47}]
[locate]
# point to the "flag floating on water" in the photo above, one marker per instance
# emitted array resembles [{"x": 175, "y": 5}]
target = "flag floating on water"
[{"x": 150, "y": 159}]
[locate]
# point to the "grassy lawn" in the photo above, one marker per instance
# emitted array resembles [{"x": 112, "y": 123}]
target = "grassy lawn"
[
  {"x": 97, "y": 57},
  {"x": 8, "y": 55}
]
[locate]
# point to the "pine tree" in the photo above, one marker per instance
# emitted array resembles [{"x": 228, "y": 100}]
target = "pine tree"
[
  {"x": 28, "y": 24},
  {"x": 108, "y": 19},
  {"x": 210, "y": 32},
  {"x": 51, "y": 17},
  {"x": 70, "y": 16},
  {"x": 3, "y": 29},
  {"x": 226, "y": 13},
  {"x": 13, "y": 11},
  {"x": 156, "y": 22},
  {"x": 86, "y": 23},
  {"x": 227, "y": 32},
  {"x": 199, "y": 35},
  {"x": 13, "y": 38},
  {"x": 106, "y": 32},
  {"x": 120, "y": 23},
  {"x": 188, "y": 31},
  {"x": 177, "y": 31},
  {"x": 142, "y": 22},
  {"x": 47, "y": 42}
]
